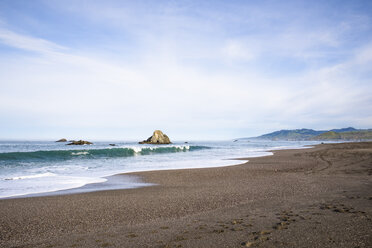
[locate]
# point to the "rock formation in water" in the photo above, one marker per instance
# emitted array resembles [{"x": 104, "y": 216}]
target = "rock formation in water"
[
  {"x": 62, "y": 140},
  {"x": 80, "y": 142},
  {"x": 158, "y": 137}
]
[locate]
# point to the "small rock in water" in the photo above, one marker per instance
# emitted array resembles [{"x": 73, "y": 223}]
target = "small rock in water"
[
  {"x": 62, "y": 140},
  {"x": 80, "y": 142},
  {"x": 112, "y": 144}
]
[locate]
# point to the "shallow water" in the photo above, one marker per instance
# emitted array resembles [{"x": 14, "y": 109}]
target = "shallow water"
[{"x": 31, "y": 167}]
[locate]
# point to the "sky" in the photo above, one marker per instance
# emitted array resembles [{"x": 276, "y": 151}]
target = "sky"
[{"x": 117, "y": 70}]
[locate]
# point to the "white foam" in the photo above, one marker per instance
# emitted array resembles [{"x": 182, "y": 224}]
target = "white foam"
[
  {"x": 139, "y": 149},
  {"x": 290, "y": 147},
  {"x": 79, "y": 153},
  {"x": 136, "y": 149},
  {"x": 48, "y": 174},
  {"x": 51, "y": 184},
  {"x": 183, "y": 147}
]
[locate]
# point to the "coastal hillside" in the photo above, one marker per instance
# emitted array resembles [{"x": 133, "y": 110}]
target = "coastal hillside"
[
  {"x": 353, "y": 135},
  {"x": 297, "y": 134},
  {"x": 348, "y": 133}
]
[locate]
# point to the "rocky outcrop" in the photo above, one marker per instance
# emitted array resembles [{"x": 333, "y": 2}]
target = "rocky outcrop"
[
  {"x": 158, "y": 137},
  {"x": 80, "y": 142},
  {"x": 62, "y": 140}
]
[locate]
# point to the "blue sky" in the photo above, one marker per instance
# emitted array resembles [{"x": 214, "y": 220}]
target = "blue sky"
[{"x": 194, "y": 69}]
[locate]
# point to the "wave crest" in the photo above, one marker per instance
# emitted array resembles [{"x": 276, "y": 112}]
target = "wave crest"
[{"x": 53, "y": 155}]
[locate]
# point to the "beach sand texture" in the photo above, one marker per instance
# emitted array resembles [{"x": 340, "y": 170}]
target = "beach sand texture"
[{"x": 318, "y": 197}]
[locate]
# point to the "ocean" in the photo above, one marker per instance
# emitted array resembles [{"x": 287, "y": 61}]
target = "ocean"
[{"x": 29, "y": 168}]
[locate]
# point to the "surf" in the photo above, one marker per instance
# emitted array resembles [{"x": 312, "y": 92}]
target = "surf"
[{"x": 56, "y": 155}]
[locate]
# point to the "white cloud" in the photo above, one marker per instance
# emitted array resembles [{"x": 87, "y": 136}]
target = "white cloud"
[
  {"x": 238, "y": 49},
  {"x": 28, "y": 43}
]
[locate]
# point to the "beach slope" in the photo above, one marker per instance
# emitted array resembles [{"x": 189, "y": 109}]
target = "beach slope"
[{"x": 317, "y": 197}]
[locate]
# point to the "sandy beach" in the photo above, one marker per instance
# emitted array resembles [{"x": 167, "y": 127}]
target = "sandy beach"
[{"x": 317, "y": 197}]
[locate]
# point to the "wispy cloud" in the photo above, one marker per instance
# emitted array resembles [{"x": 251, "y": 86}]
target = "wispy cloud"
[{"x": 28, "y": 43}]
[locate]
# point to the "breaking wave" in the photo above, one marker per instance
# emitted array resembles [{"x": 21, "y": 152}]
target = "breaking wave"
[{"x": 53, "y": 155}]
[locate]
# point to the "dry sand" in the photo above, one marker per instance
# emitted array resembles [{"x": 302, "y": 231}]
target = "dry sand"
[{"x": 319, "y": 197}]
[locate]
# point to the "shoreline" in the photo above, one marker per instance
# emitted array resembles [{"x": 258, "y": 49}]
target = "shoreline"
[
  {"x": 119, "y": 181},
  {"x": 132, "y": 181},
  {"x": 295, "y": 198}
]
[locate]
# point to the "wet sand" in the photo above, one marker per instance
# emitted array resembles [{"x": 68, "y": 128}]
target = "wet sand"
[{"x": 318, "y": 197}]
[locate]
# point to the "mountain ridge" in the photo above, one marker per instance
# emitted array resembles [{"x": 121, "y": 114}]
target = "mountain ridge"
[{"x": 348, "y": 133}]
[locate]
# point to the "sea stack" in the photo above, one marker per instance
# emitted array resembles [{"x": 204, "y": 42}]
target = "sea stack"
[
  {"x": 158, "y": 137},
  {"x": 62, "y": 140}
]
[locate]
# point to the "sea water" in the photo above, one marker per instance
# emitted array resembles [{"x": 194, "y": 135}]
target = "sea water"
[{"x": 34, "y": 167}]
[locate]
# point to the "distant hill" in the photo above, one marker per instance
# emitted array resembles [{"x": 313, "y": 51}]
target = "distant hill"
[
  {"x": 297, "y": 134},
  {"x": 341, "y": 130},
  {"x": 352, "y": 135},
  {"x": 348, "y": 133}
]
